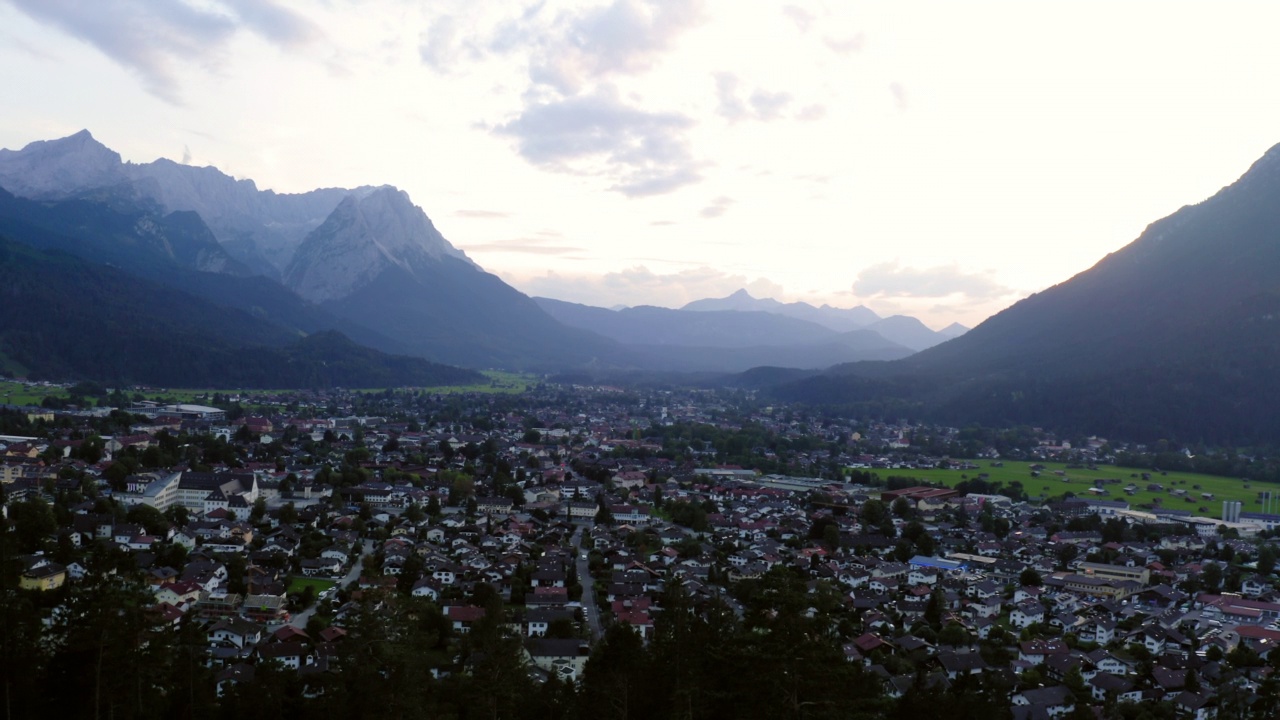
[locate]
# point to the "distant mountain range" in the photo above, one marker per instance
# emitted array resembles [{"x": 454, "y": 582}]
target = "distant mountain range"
[
  {"x": 1175, "y": 336},
  {"x": 838, "y": 319},
  {"x": 364, "y": 261},
  {"x": 760, "y": 331},
  {"x": 66, "y": 318},
  {"x": 370, "y": 264}
]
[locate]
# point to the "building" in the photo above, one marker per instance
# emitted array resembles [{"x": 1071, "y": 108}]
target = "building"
[
  {"x": 159, "y": 490},
  {"x": 42, "y": 574},
  {"x": 1103, "y": 571},
  {"x": 183, "y": 411},
  {"x": 205, "y": 492},
  {"x": 917, "y": 494}
]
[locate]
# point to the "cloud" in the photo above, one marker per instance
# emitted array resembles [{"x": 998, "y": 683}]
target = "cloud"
[
  {"x": 769, "y": 105},
  {"x": 151, "y": 37},
  {"x": 640, "y": 286},
  {"x": 717, "y": 207},
  {"x": 899, "y": 95},
  {"x": 812, "y": 112},
  {"x": 728, "y": 104},
  {"x": 625, "y": 37},
  {"x": 186, "y": 155},
  {"x": 847, "y": 45},
  {"x": 761, "y": 105},
  {"x": 891, "y": 280},
  {"x": 528, "y": 246},
  {"x": 641, "y": 153},
  {"x": 439, "y": 45},
  {"x": 801, "y": 17}
]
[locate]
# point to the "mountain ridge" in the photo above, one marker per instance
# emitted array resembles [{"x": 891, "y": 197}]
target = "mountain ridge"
[
  {"x": 1171, "y": 334},
  {"x": 331, "y": 245}
]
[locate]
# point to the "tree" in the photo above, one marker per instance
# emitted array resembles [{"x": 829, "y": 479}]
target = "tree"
[
  {"x": 178, "y": 515},
  {"x": 1067, "y": 553},
  {"x": 1211, "y": 575},
  {"x": 936, "y": 606},
  {"x": 902, "y": 507},
  {"x": 33, "y": 522},
  {"x": 152, "y": 520},
  {"x": 1266, "y": 558},
  {"x": 873, "y": 513},
  {"x": 1030, "y": 577},
  {"x": 259, "y": 510}
]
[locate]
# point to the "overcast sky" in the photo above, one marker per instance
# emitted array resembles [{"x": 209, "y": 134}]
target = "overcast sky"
[{"x": 940, "y": 159}]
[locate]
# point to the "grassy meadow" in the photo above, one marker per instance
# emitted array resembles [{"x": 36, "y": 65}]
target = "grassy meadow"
[
  {"x": 1078, "y": 481},
  {"x": 298, "y": 584},
  {"x": 16, "y": 393},
  {"x": 498, "y": 383}
]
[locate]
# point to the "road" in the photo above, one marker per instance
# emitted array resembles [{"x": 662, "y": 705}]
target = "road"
[
  {"x": 589, "y": 609},
  {"x": 300, "y": 620}
]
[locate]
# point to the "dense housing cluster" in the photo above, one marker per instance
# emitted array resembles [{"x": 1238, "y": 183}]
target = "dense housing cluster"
[{"x": 588, "y": 552}]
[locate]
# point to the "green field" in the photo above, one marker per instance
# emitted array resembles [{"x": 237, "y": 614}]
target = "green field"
[
  {"x": 16, "y": 393},
  {"x": 1079, "y": 480},
  {"x": 299, "y": 584},
  {"x": 499, "y": 382}
]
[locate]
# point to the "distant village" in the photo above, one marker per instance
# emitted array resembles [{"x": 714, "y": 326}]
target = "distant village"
[{"x": 264, "y": 522}]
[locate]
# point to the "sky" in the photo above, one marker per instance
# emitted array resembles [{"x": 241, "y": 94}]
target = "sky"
[{"x": 937, "y": 159}]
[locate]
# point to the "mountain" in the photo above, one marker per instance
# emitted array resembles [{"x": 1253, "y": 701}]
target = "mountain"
[
  {"x": 360, "y": 239},
  {"x": 261, "y": 229},
  {"x": 657, "y": 338},
  {"x": 837, "y": 319},
  {"x": 1176, "y": 336},
  {"x": 366, "y": 259},
  {"x": 64, "y": 317},
  {"x": 171, "y": 250},
  {"x": 954, "y": 330},
  {"x": 121, "y": 234},
  {"x": 907, "y": 331},
  {"x": 649, "y": 325}
]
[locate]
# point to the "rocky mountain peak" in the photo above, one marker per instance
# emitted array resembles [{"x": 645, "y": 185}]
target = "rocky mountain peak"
[
  {"x": 47, "y": 168},
  {"x": 366, "y": 234}
]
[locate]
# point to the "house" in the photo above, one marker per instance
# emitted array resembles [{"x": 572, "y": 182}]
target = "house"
[
  {"x": 292, "y": 655},
  {"x": 1197, "y": 706},
  {"x": 493, "y": 505},
  {"x": 565, "y": 658},
  {"x": 427, "y": 588},
  {"x": 235, "y": 631},
  {"x": 1254, "y": 586},
  {"x": 958, "y": 664},
  {"x": 1055, "y": 701},
  {"x": 1026, "y": 613},
  {"x": 463, "y": 617},
  {"x": 1105, "y": 687},
  {"x": 1100, "y": 631},
  {"x": 1036, "y": 652},
  {"x": 42, "y": 574},
  {"x": 538, "y": 620},
  {"x": 179, "y": 593}
]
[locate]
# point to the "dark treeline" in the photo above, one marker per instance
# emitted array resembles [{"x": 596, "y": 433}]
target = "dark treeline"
[
  {"x": 108, "y": 656},
  {"x": 1255, "y": 468}
]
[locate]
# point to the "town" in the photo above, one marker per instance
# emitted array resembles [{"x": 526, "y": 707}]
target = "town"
[{"x": 277, "y": 551}]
